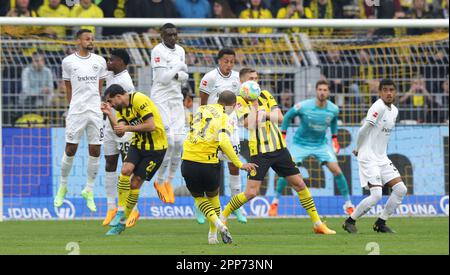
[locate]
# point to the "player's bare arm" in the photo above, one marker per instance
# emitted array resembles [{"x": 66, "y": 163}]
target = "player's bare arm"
[
  {"x": 68, "y": 90},
  {"x": 203, "y": 98}
]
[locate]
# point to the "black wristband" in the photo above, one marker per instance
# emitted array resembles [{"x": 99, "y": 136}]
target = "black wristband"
[
  {"x": 283, "y": 132},
  {"x": 333, "y": 136}
]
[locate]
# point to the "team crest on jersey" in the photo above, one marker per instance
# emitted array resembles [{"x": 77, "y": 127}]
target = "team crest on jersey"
[
  {"x": 328, "y": 120},
  {"x": 235, "y": 85},
  {"x": 297, "y": 106},
  {"x": 95, "y": 67}
]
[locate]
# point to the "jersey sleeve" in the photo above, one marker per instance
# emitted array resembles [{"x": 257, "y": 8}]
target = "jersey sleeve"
[
  {"x": 225, "y": 129},
  {"x": 242, "y": 110},
  {"x": 158, "y": 60},
  {"x": 142, "y": 106},
  {"x": 374, "y": 113},
  {"x": 128, "y": 84},
  {"x": 103, "y": 73},
  {"x": 207, "y": 84},
  {"x": 288, "y": 118},
  {"x": 334, "y": 122},
  {"x": 270, "y": 99},
  {"x": 66, "y": 70},
  {"x": 119, "y": 117}
]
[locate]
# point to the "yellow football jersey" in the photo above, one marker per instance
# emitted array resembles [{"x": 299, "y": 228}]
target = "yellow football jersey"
[
  {"x": 267, "y": 137},
  {"x": 140, "y": 109},
  {"x": 210, "y": 131}
]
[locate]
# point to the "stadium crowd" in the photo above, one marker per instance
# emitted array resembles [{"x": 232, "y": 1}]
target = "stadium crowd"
[{"x": 245, "y": 9}]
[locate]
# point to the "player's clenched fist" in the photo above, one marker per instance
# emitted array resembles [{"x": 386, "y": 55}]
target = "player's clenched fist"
[{"x": 249, "y": 167}]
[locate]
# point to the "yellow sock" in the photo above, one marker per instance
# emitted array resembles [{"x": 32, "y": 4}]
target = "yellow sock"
[
  {"x": 207, "y": 209},
  {"x": 215, "y": 202},
  {"x": 131, "y": 201},
  {"x": 123, "y": 189},
  {"x": 307, "y": 202},
  {"x": 235, "y": 203}
]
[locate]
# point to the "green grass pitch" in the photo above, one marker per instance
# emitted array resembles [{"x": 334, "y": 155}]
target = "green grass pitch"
[{"x": 259, "y": 236}]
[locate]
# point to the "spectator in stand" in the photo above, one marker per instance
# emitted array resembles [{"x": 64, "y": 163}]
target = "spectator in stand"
[
  {"x": 320, "y": 9},
  {"x": 419, "y": 10},
  {"x": 193, "y": 9},
  {"x": 21, "y": 8},
  {"x": 255, "y": 10},
  {"x": 442, "y": 12},
  {"x": 441, "y": 101},
  {"x": 417, "y": 102},
  {"x": 221, "y": 9},
  {"x": 37, "y": 83},
  {"x": 159, "y": 9},
  {"x": 87, "y": 9},
  {"x": 294, "y": 9},
  {"x": 388, "y": 9},
  {"x": 237, "y": 6},
  {"x": 54, "y": 8},
  {"x": 115, "y": 9}
]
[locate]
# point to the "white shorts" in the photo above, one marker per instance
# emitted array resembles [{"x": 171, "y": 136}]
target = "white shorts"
[
  {"x": 113, "y": 145},
  {"x": 173, "y": 117},
  {"x": 77, "y": 124},
  {"x": 371, "y": 172},
  {"x": 235, "y": 140}
]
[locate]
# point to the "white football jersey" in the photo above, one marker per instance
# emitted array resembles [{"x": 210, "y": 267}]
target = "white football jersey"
[
  {"x": 383, "y": 119},
  {"x": 214, "y": 83},
  {"x": 84, "y": 73},
  {"x": 166, "y": 58}
]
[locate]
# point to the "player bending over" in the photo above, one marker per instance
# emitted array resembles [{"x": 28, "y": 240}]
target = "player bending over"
[
  {"x": 135, "y": 113},
  {"x": 114, "y": 145},
  {"x": 375, "y": 168},
  {"x": 210, "y": 131},
  {"x": 83, "y": 74},
  {"x": 268, "y": 150},
  {"x": 316, "y": 116}
]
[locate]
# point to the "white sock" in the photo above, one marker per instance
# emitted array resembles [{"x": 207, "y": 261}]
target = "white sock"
[
  {"x": 219, "y": 225},
  {"x": 376, "y": 193},
  {"x": 93, "y": 164},
  {"x": 111, "y": 189},
  {"x": 175, "y": 159},
  {"x": 166, "y": 161},
  {"x": 66, "y": 166},
  {"x": 395, "y": 199},
  {"x": 235, "y": 184}
]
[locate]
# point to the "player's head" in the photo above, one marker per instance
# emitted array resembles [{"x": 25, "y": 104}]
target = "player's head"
[
  {"x": 169, "y": 35},
  {"x": 228, "y": 100},
  {"x": 387, "y": 90},
  {"x": 116, "y": 96},
  {"x": 322, "y": 90},
  {"x": 85, "y": 39},
  {"x": 226, "y": 59},
  {"x": 248, "y": 74},
  {"x": 118, "y": 61}
]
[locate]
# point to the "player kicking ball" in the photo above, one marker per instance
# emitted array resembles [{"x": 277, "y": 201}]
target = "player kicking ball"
[
  {"x": 375, "y": 168},
  {"x": 261, "y": 115},
  {"x": 135, "y": 113},
  {"x": 210, "y": 131},
  {"x": 316, "y": 116}
]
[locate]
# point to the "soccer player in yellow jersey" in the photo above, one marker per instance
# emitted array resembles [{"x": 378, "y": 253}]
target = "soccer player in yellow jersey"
[
  {"x": 135, "y": 113},
  {"x": 268, "y": 150},
  {"x": 210, "y": 131}
]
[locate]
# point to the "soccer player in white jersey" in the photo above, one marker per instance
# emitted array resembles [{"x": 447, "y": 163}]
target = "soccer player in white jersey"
[
  {"x": 169, "y": 72},
  {"x": 375, "y": 168},
  {"x": 114, "y": 145},
  {"x": 221, "y": 79},
  {"x": 83, "y": 73}
]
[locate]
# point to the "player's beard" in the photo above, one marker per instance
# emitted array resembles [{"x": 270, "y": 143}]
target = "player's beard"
[{"x": 89, "y": 48}]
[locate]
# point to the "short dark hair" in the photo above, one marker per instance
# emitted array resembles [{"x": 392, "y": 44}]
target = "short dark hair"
[
  {"x": 322, "y": 82},
  {"x": 245, "y": 71},
  {"x": 225, "y": 51},
  {"x": 122, "y": 54},
  {"x": 81, "y": 31},
  {"x": 114, "y": 90},
  {"x": 386, "y": 82},
  {"x": 168, "y": 26},
  {"x": 227, "y": 97}
]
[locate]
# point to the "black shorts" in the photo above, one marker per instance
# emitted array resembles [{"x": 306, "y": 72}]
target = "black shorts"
[
  {"x": 280, "y": 161},
  {"x": 201, "y": 177},
  {"x": 146, "y": 162}
]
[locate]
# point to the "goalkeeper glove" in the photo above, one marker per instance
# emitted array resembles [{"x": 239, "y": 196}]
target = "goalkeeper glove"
[
  {"x": 336, "y": 146},
  {"x": 283, "y": 133}
]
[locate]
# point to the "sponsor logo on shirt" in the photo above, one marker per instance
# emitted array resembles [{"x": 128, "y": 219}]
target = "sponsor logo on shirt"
[
  {"x": 87, "y": 78},
  {"x": 386, "y": 130},
  {"x": 95, "y": 67}
]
